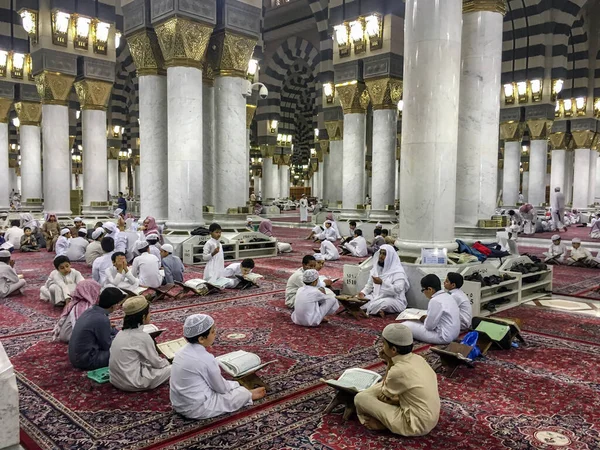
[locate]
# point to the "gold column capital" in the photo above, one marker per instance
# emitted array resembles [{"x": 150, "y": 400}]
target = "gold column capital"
[
  {"x": 335, "y": 130},
  {"x": 229, "y": 54},
  {"x": 558, "y": 140},
  {"x": 29, "y": 113},
  {"x": 146, "y": 53},
  {"x": 93, "y": 94},
  {"x": 267, "y": 151},
  {"x": 353, "y": 96},
  {"x": 54, "y": 87},
  {"x": 496, "y": 6},
  {"x": 250, "y": 110},
  {"x": 511, "y": 131},
  {"x": 596, "y": 142},
  {"x": 538, "y": 128},
  {"x": 324, "y": 146},
  {"x": 5, "y": 104},
  {"x": 183, "y": 41},
  {"x": 583, "y": 138},
  {"x": 320, "y": 153},
  {"x": 385, "y": 92},
  {"x": 113, "y": 153},
  {"x": 71, "y": 140}
]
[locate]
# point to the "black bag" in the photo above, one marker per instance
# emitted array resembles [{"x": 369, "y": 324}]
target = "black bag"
[{"x": 200, "y": 231}]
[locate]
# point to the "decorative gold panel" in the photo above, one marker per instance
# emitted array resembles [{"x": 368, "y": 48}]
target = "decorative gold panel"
[
  {"x": 538, "y": 129},
  {"x": 558, "y": 141},
  {"x": 229, "y": 53},
  {"x": 385, "y": 92},
  {"x": 146, "y": 53},
  {"x": 596, "y": 142},
  {"x": 583, "y": 138},
  {"x": 324, "y": 145},
  {"x": 183, "y": 42},
  {"x": 54, "y": 87},
  {"x": 29, "y": 113},
  {"x": 267, "y": 151},
  {"x": 5, "y": 104},
  {"x": 497, "y": 6},
  {"x": 71, "y": 140},
  {"x": 511, "y": 131},
  {"x": 93, "y": 94},
  {"x": 113, "y": 153},
  {"x": 250, "y": 110},
  {"x": 335, "y": 130},
  {"x": 354, "y": 97}
]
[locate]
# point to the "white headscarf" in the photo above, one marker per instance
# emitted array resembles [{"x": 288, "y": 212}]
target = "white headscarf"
[
  {"x": 113, "y": 231},
  {"x": 391, "y": 266},
  {"x": 27, "y": 220}
]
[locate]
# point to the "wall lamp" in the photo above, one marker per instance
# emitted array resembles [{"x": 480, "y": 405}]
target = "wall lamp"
[
  {"x": 29, "y": 20},
  {"x": 60, "y": 28},
  {"x": 329, "y": 91},
  {"x": 100, "y": 31}
]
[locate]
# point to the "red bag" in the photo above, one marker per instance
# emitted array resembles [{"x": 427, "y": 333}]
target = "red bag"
[{"x": 482, "y": 248}]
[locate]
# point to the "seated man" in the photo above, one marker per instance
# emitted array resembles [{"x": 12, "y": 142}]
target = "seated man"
[
  {"x": 61, "y": 283},
  {"x": 119, "y": 275},
  {"x": 295, "y": 281},
  {"x": 357, "y": 246},
  {"x": 387, "y": 285},
  {"x": 328, "y": 233},
  {"x": 104, "y": 262},
  {"x": 89, "y": 346},
  {"x": 378, "y": 241},
  {"x": 63, "y": 242},
  {"x": 453, "y": 283},
  {"x": 154, "y": 239},
  {"x": 146, "y": 267},
  {"x": 94, "y": 250},
  {"x": 329, "y": 252},
  {"x": 14, "y": 234},
  {"x": 557, "y": 251},
  {"x": 171, "y": 264},
  {"x": 28, "y": 241},
  {"x": 10, "y": 283},
  {"x": 233, "y": 270},
  {"x": 312, "y": 303},
  {"x": 78, "y": 246},
  {"x": 442, "y": 322},
  {"x": 78, "y": 221},
  {"x": 581, "y": 256},
  {"x": 407, "y": 401}
]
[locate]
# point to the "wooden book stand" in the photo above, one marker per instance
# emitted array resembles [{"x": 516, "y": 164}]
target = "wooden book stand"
[
  {"x": 452, "y": 356},
  {"x": 351, "y": 305},
  {"x": 164, "y": 291}
]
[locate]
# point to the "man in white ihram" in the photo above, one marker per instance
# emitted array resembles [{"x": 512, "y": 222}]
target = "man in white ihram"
[{"x": 557, "y": 202}]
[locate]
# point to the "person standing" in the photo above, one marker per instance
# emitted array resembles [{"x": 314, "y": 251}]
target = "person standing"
[
  {"x": 122, "y": 203},
  {"x": 557, "y": 202},
  {"x": 303, "y": 209}
]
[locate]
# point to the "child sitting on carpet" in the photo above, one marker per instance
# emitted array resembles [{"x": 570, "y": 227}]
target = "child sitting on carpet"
[
  {"x": 407, "y": 401},
  {"x": 61, "y": 283},
  {"x": 198, "y": 390},
  {"x": 134, "y": 363},
  {"x": 312, "y": 303},
  {"x": 10, "y": 283},
  {"x": 232, "y": 271}
]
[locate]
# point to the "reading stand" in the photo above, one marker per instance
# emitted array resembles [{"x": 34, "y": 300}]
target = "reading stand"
[
  {"x": 186, "y": 289},
  {"x": 351, "y": 305},
  {"x": 251, "y": 381},
  {"x": 342, "y": 397},
  {"x": 164, "y": 291},
  {"x": 452, "y": 356}
]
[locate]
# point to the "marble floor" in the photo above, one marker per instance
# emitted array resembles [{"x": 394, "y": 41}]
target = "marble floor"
[{"x": 568, "y": 304}]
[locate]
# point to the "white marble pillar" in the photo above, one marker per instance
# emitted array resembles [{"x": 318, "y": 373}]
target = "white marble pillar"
[
  {"x": 397, "y": 190},
  {"x": 558, "y": 170},
  {"x": 113, "y": 176},
  {"x": 208, "y": 140},
  {"x": 335, "y": 185},
  {"x": 270, "y": 179},
  {"x": 154, "y": 170},
  {"x": 247, "y": 165},
  {"x": 31, "y": 162},
  {"x": 581, "y": 178},
  {"x": 353, "y": 164},
  {"x": 123, "y": 185},
  {"x": 512, "y": 175},
  {"x": 598, "y": 182},
  {"x": 95, "y": 170},
  {"x": 284, "y": 181},
  {"x": 325, "y": 195},
  {"x": 321, "y": 176},
  {"x": 569, "y": 173},
  {"x": 15, "y": 181},
  {"x": 432, "y": 46},
  {"x": 384, "y": 158},
  {"x": 538, "y": 162},
  {"x": 257, "y": 187},
  {"x": 592, "y": 177},
  {"x": 136, "y": 188},
  {"x": 57, "y": 159},
  {"x": 5, "y": 188},
  {"x": 525, "y": 186},
  {"x": 231, "y": 169},
  {"x": 478, "y": 119}
]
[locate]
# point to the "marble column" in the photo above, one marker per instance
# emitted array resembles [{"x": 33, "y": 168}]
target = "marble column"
[
  {"x": 569, "y": 173},
  {"x": 538, "y": 163},
  {"x": 512, "y": 175},
  {"x": 558, "y": 169},
  {"x": 208, "y": 141},
  {"x": 284, "y": 181},
  {"x": 525, "y": 186},
  {"x": 5, "y": 188},
  {"x": 326, "y": 177},
  {"x": 432, "y": 46},
  {"x": 250, "y": 111},
  {"x": 479, "y": 113},
  {"x": 257, "y": 184},
  {"x": 136, "y": 177},
  {"x": 334, "y": 172},
  {"x": 581, "y": 180},
  {"x": 592, "y": 177},
  {"x": 123, "y": 184},
  {"x": 113, "y": 176},
  {"x": 30, "y": 114},
  {"x": 270, "y": 179},
  {"x": 15, "y": 180}
]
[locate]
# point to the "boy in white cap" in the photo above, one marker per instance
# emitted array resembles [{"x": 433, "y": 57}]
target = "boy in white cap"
[
  {"x": 63, "y": 242},
  {"x": 171, "y": 264},
  {"x": 249, "y": 226},
  {"x": 312, "y": 304},
  {"x": 557, "y": 251},
  {"x": 134, "y": 363},
  {"x": 78, "y": 225},
  {"x": 328, "y": 233},
  {"x": 78, "y": 246},
  {"x": 153, "y": 239},
  {"x": 10, "y": 283},
  {"x": 198, "y": 390},
  {"x": 581, "y": 255},
  {"x": 94, "y": 250},
  {"x": 328, "y": 250},
  {"x": 407, "y": 401},
  {"x": 146, "y": 267}
]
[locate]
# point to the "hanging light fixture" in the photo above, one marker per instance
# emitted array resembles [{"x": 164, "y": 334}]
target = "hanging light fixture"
[
  {"x": 82, "y": 32},
  {"x": 536, "y": 90},
  {"x": 557, "y": 86},
  {"x": 116, "y": 130},
  {"x": 273, "y": 126},
  {"x": 357, "y": 35},
  {"x": 509, "y": 93},
  {"x": 580, "y": 105},
  {"x": 522, "y": 91},
  {"x": 100, "y": 37},
  {"x": 60, "y": 28},
  {"x": 374, "y": 31},
  {"x": 342, "y": 38},
  {"x": 29, "y": 20},
  {"x": 329, "y": 92},
  {"x": 18, "y": 63},
  {"x": 252, "y": 68},
  {"x": 568, "y": 107}
]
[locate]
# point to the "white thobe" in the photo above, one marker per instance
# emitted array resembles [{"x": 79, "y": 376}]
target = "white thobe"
[
  {"x": 293, "y": 284},
  {"x": 230, "y": 272},
  {"x": 554, "y": 250},
  {"x": 134, "y": 363},
  {"x": 146, "y": 269},
  {"x": 303, "y": 210},
  {"x": 155, "y": 251},
  {"x": 9, "y": 280},
  {"x": 77, "y": 248},
  {"x": 93, "y": 252},
  {"x": 13, "y": 236},
  {"x": 595, "y": 231},
  {"x": 464, "y": 306},
  {"x": 59, "y": 288},
  {"x": 557, "y": 202},
  {"x": 327, "y": 234},
  {"x": 198, "y": 390},
  {"x": 583, "y": 255},
  {"x": 442, "y": 324},
  {"x": 114, "y": 278},
  {"x": 99, "y": 267},
  {"x": 389, "y": 296},
  {"x": 312, "y": 306},
  {"x": 215, "y": 265},
  {"x": 357, "y": 247},
  {"x": 62, "y": 246},
  {"x": 329, "y": 252}
]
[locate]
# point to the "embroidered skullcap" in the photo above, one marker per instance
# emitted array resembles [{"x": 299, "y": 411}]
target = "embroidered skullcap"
[
  {"x": 134, "y": 305},
  {"x": 64, "y": 231},
  {"x": 310, "y": 275},
  {"x": 77, "y": 219},
  {"x": 398, "y": 334},
  {"x": 152, "y": 237},
  {"x": 141, "y": 245},
  {"x": 97, "y": 233},
  {"x": 167, "y": 248},
  {"x": 556, "y": 237},
  {"x": 576, "y": 241},
  {"x": 4, "y": 254},
  {"x": 319, "y": 257},
  {"x": 197, "y": 324}
]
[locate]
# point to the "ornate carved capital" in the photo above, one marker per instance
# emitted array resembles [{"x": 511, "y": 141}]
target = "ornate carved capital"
[
  {"x": 497, "y": 6},
  {"x": 267, "y": 151},
  {"x": 539, "y": 128},
  {"x": 71, "y": 140},
  {"x": 354, "y": 97},
  {"x": 583, "y": 138},
  {"x": 229, "y": 54},
  {"x": 324, "y": 145},
  {"x": 54, "y": 87},
  {"x": 146, "y": 53},
  {"x": 511, "y": 131},
  {"x": 335, "y": 130},
  {"x": 29, "y": 113},
  {"x": 385, "y": 92},
  {"x": 250, "y": 110},
  {"x": 113, "y": 153},
  {"x": 93, "y": 94},
  {"x": 558, "y": 140},
  {"x": 5, "y": 104},
  {"x": 596, "y": 142},
  {"x": 183, "y": 41}
]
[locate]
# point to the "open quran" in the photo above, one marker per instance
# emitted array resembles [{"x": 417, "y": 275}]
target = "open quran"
[
  {"x": 355, "y": 380},
  {"x": 241, "y": 363},
  {"x": 412, "y": 314},
  {"x": 169, "y": 348}
]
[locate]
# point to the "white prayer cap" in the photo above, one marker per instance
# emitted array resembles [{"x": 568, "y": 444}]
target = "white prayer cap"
[
  {"x": 152, "y": 237},
  {"x": 4, "y": 254},
  {"x": 556, "y": 237},
  {"x": 64, "y": 231},
  {"x": 82, "y": 230},
  {"x": 329, "y": 222},
  {"x": 248, "y": 219},
  {"x": 118, "y": 212},
  {"x": 77, "y": 219},
  {"x": 319, "y": 257},
  {"x": 398, "y": 334},
  {"x": 310, "y": 275},
  {"x": 97, "y": 233},
  {"x": 141, "y": 245},
  {"x": 576, "y": 241},
  {"x": 167, "y": 248},
  {"x": 197, "y": 324}
]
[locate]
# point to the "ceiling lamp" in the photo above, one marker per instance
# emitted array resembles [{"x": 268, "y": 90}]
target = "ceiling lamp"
[
  {"x": 357, "y": 35},
  {"x": 60, "y": 28},
  {"x": 374, "y": 31},
  {"x": 536, "y": 90},
  {"x": 100, "y": 37},
  {"x": 29, "y": 19},
  {"x": 509, "y": 94},
  {"x": 82, "y": 32},
  {"x": 18, "y": 63},
  {"x": 340, "y": 33}
]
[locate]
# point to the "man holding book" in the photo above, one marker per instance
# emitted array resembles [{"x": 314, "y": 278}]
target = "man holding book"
[
  {"x": 312, "y": 303},
  {"x": 407, "y": 401}
]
